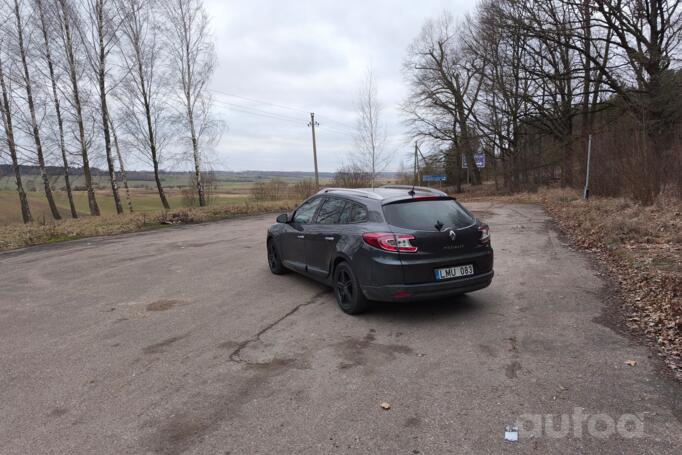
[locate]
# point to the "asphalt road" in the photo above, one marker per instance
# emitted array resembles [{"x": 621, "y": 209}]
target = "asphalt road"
[{"x": 181, "y": 341}]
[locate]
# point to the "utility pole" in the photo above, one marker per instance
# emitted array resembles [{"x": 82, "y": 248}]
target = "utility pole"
[
  {"x": 312, "y": 124},
  {"x": 586, "y": 193}
]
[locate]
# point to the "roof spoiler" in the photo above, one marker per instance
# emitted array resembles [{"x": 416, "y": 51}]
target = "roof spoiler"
[
  {"x": 423, "y": 189},
  {"x": 358, "y": 192}
]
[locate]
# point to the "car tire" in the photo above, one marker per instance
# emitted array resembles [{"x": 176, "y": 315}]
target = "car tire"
[
  {"x": 274, "y": 259},
  {"x": 347, "y": 290}
]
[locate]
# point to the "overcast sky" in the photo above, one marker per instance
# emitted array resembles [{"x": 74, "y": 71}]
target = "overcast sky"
[{"x": 280, "y": 60}]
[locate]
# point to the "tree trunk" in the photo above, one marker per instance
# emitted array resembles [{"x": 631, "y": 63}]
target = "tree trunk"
[
  {"x": 159, "y": 187},
  {"x": 101, "y": 76},
  {"x": 466, "y": 144},
  {"x": 451, "y": 166},
  {"x": 150, "y": 132},
  {"x": 471, "y": 164},
  {"x": 567, "y": 153},
  {"x": 9, "y": 135},
  {"x": 197, "y": 161},
  {"x": 121, "y": 164},
  {"x": 73, "y": 76},
  {"x": 458, "y": 170},
  {"x": 34, "y": 120},
  {"x": 190, "y": 119},
  {"x": 57, "y": 108}
]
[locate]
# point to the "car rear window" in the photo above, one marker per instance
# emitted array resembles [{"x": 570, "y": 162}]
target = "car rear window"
[
  {"x": 353, "y": 213},
  {"x": 427, "y": 215}
]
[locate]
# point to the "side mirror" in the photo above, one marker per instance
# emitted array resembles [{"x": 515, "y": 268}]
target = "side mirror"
[{"x": 283, "y": 218}]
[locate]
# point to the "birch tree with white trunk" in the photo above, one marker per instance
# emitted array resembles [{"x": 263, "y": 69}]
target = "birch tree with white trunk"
[
  {"x": 143, "y": 93},
  {"x": 22, "y": 50},
  {"x": 191, "y": 65},
  {"x": 99, "y": 35},
  {"x": 68, "y": 18},
  {"x": 370, "y": 136}
]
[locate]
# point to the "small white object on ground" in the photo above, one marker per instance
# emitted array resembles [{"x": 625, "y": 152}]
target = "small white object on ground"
[{"x": 511, "y": 433}]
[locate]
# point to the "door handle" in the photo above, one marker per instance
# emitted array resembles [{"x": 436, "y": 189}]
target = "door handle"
[
  {"x": 329, "y": 238},
  {"x": 300, "y": 236}
]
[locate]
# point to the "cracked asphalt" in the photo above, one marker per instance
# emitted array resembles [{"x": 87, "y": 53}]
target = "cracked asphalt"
[{"x": 181, "y": 341}]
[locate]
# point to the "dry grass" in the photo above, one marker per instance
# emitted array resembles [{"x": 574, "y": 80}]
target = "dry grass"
[{"x": 18, "y": 235}]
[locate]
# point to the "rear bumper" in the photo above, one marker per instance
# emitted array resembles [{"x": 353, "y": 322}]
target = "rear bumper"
[{"x": 427, "y": 291}]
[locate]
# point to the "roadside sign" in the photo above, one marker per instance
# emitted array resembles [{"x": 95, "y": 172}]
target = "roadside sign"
[
  {"x": 434, "y": 178},
  {"x": 479, "y": 159}
]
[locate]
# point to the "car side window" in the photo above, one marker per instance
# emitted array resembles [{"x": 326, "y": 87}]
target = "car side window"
[
  {"x": 305, "y": 213},
  {"x": 344, "y": 217},
  {"x": 331, "y": 210},
  {"x": 358, "y": 214},
  {"x": 353, "y": 213}
]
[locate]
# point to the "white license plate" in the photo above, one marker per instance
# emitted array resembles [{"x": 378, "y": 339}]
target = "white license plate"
[{"x": 454, "y": 272}]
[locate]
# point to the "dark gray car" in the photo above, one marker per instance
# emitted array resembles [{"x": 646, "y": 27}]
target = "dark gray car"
[{"x": 394, "y": 243}]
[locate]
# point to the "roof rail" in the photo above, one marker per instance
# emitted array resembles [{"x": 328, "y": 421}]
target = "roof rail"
[
  {"x": 417, "y": 188},
  {"x": 358, "y": 192}
]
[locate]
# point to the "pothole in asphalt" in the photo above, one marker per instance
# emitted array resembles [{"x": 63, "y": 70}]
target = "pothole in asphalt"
[{"x": 165, "y": 304}]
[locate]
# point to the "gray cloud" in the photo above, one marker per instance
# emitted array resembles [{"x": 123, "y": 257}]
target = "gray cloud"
[{"x": 308, "y": 56}]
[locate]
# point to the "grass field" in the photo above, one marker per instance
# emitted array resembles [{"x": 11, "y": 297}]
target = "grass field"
[
  {"x": 144, "y": 199},
  {"x": 143, "y": 193}
]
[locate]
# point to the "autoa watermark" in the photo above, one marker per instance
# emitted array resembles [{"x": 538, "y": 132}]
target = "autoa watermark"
[{"x": 580, "y": 424}]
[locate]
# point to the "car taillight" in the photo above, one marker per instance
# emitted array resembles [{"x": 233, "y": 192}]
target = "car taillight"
[
  {"x": 396, "y": 243},
  {"x": 484, "y": 234}
]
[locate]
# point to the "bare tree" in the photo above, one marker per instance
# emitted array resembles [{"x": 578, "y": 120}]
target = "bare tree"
[
  {"x": 142, "y": 93},
  {"x": 352, "y": 176},
  {"x": 634, "y": 46},
  {"x": 505, "y": 87},
  {"x": 445, "y": 86},
  {"x": 47, "y": 35},
  {"x": 6, "y": 113},
  {"x": 192, "y": 62},
  {"x": 646, "y": 36},
  {"x": 121, "y": 165},
  {"x": 21, "y": 48},
  {"x": 100, "y": 38},
  {"x": 370, "y": 131},
  {"x": 67, "y": 17}
]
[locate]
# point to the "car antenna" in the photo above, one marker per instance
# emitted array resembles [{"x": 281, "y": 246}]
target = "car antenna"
[{"x": 411, "y": 192}]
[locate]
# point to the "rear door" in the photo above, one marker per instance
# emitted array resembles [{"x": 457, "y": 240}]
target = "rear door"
[
  {"x": 294, "y": 238},
  {"x": 323, "y": 235},
  {"x": 445, "y": 234}
]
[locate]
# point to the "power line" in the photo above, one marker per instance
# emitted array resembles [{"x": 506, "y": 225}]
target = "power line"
[
  {"x": 272, "y": 115},
  {"x": 260, "y": 112},
  {"x": 342, "y": 124},
  {"x": 281, "y": 106},
  {"x": 334, "y": 130}
]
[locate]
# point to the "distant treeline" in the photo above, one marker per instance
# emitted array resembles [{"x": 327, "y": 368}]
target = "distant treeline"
[{"x": 6, "y": 170}]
